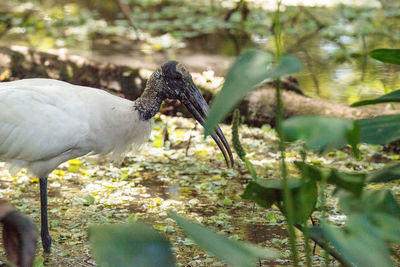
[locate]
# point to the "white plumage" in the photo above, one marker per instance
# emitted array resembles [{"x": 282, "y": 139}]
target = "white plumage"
[{"x": 46, "y": 122}]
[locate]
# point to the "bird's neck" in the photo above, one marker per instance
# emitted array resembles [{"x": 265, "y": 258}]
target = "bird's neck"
[{"x": 148, "y": 104}]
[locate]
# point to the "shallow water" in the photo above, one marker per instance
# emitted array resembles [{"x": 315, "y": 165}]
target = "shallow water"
[
  {"x": 336, "y": 62},
  {"x": 322, "y": 76}
]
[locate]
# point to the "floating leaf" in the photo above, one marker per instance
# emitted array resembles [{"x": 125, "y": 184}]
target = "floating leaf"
[
  {"x": 233, "y": 252},
  {"x": 391, "y": 97},
  {"x": 268, "y": 192},
  {"x": 134, "y": 244},
  {"x": 74, "y": 165},
  {"x": 322, "y": 133},
  {"x": 391, "y": 56},
  {"x": 250, "y": 69},
  {"x": 158, "y": 141}
]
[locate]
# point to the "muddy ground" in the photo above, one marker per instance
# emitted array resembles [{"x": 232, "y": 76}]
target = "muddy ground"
[{"x": 168, "y": 174}]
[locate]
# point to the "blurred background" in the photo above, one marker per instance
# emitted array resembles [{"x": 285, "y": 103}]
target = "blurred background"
[{"x": 332, "y": 37}]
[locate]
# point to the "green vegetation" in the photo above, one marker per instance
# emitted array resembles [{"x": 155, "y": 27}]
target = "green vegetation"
[
  {"x": 302, "y": 175},
  {"x": 372, "y": 215}
]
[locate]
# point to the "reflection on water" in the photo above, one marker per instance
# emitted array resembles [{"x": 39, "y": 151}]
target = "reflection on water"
[{"x": 351, "y": 81}]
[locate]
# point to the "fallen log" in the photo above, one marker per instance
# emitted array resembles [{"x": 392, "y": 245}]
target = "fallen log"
[
  {"x": 259, "y": 107},
  {"x": 27, "y": 63}
]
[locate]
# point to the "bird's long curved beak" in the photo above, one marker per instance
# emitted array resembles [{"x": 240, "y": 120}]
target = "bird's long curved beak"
[{"x": 198, "y": 107}]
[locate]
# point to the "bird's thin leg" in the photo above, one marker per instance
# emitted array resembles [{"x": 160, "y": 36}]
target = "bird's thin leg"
[{"x": 44, "y": 232}]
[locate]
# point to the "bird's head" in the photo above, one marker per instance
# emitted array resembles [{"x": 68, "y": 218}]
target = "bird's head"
[{"x": 177, "y": 83}]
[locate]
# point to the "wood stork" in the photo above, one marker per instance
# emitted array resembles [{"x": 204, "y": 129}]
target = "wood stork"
[{"x": 45, "y": 122}]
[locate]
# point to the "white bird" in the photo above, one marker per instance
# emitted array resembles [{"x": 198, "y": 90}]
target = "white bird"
[{"x": 45, "y": 122}]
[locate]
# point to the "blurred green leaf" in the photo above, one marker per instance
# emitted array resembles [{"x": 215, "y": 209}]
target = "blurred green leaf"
[
  {"x": 321, "y": 133},
  {"x": 380, "y": 207},
  {"x": 391, "y": 56},
  {"x": 351, "y": 182},
  {"x": 353, "y": 139},
  {"x": 380, "y": 130},
  {"x": 135, "y": 244},
  {"x": 317, "y": 235},
  {"x": 356, "y": 241},
  {"x": 391, "y": 97},
  {"x": 39, "y": 261},
  {"x": 372, "y": 201},
  {"x": 268, "y": 192},
  {"x": 387, "y": 174},
  {"x": 233, "y": 252},
  {"x": 387, "y": 226},
  {"x": 381, "y": 201},
  {"x": 249, "y": 69}
]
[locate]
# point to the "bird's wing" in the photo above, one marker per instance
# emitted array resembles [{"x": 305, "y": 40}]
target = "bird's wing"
[{"x": 35, "y": 126}]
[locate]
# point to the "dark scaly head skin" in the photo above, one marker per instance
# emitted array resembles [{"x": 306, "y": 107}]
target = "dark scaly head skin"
[
  {"x": 176, "y": 78},
  {"x": 173, "y": 81}
]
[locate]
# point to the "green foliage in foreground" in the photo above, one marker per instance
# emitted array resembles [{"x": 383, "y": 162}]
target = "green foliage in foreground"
[
  {"x": 369, "y": 226},
  {"x": 373, "y": 216},
  {"x": 391, "y": 97},
  {"x": 380, "y": 130},
  {"x": 350, "y": 182},
  {"x": 391, "y": 56},
  {"x": 268, "y": 192},
  {"x": 251, "y": 68},
  {"x": 356, "y": 240},
  {"x": 322, "y": 133},
  {"x": 129, "y": 245},
  {"x": 232, "y": 252},
  {"x": 137, "y": 244}
]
